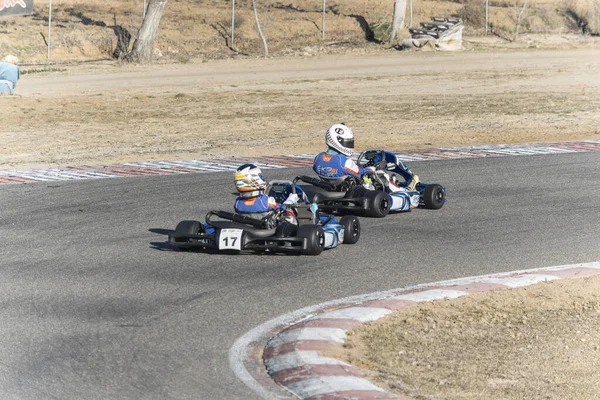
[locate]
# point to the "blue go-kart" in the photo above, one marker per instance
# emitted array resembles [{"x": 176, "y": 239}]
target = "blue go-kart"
[
  {"x": 310, "y": 234},
  {"x": 386, "y": 192}
]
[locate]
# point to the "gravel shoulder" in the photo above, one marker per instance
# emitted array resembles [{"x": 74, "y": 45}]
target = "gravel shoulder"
[
  {"x": 537, "y": 342},
  {"x": 91, "y": 114}
]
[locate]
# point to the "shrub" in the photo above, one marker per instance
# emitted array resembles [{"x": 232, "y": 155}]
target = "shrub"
[
  {"x": 586, "y": 13},
  {"x": 473, "y": 14}
]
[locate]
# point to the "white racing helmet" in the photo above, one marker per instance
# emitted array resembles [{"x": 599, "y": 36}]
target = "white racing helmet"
[
  {"x": 340, "y": 138},
  {"x": 249, "y": 180}
]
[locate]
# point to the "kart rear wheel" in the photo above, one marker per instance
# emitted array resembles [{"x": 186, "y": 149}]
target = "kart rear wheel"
[
  {"x": 379, "y": 204},
  {"x": 315, "y": 239},
  {"x": 351, "y": 229},
  {"x": 434, "y": 196}
]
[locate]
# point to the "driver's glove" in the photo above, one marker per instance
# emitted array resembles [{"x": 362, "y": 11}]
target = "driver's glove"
[
  {"x": 292, "y": 199},
  {"x": 380, "y": 165},
  {"x": 367, "y": 183}
]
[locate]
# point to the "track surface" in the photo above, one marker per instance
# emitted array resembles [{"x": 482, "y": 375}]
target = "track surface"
[{"x": 93, "y": 305}]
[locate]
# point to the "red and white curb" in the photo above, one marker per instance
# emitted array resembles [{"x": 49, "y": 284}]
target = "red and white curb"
[
  {"x": 284, "y": 161},
  {"x": 295, "y": 343}
]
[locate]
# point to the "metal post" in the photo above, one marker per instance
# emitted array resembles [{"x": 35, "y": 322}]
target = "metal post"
[
  {"x": 232, "y": 21},
  {"x": 410, "y": 14},
  {"x": 49, "y": 25},
  {"x": 486, "y": 15},
  {"x": 323, "y": 20}
]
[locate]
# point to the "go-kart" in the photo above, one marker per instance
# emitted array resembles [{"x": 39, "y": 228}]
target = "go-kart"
[
  {"x": 376, "y": 196},
  {"x": 227, "y": 231}
]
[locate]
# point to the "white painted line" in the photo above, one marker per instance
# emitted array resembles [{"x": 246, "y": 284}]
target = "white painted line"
[
  {"x": 168, "y": 165},
  {"x": 430, "y": 295},
  {"x": 206, "y": 167},
  {"x": 329, "y": 384},
  {"x": 40, "y": 176},
  {"x": 362, "y": 314},
  {"x": 523, "y": 280},
  {"x": 270, "y": 166},
  {"x": 299, "y": 359},
  {"x": 406, "y": 157},
  {"x": 294, "y": 335},
  {"x": 303, "y": 156}
]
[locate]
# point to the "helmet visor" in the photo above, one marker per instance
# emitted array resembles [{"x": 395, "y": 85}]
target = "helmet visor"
[{"x": 347, "y": 143}]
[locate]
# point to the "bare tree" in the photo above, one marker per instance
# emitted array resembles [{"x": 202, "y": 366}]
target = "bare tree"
[
  {"x": 260, "y": 30},
  {"x": 519, "y": 19},
  {"x": 144, "y": 43},
  {"x": 398, "y": 19}
]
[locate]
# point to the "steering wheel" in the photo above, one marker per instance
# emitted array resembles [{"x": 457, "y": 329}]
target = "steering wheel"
[{"x": 381, "y": 164}]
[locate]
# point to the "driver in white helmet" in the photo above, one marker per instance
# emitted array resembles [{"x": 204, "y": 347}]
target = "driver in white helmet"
[
  {"x": 335, "y": 163},
  {"x": 252, "y": 200}
]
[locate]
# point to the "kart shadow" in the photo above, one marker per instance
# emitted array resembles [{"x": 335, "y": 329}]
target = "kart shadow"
[
  {"x": 161, "y": 246},
  {"x": 161, "y": 231}
]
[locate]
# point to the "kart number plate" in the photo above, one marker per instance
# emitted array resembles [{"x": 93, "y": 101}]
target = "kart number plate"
[{"x": 230, "y": 239}]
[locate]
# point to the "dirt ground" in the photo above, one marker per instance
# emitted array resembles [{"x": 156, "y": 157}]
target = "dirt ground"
[
  {"x": 537, "y": 342},
  {"x": 102, "y": 113}
]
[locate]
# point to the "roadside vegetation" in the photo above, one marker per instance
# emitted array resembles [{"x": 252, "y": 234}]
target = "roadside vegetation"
[
  {"x": 537, "y": 342},
  {"x": 90, "y": 29}
]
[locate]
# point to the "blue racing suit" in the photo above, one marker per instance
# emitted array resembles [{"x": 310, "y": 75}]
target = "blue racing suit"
[
  {"x": 259, "y": 204},
  {"x": 332, "y": 165}
]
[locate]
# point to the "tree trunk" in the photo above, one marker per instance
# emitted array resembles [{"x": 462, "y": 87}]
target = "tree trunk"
[
  {"x": 519, "y": 19},
  {"x": 144, "y": 44},
  {"x": 398, "y": 18},
  {"x": 260, "y": 30}
]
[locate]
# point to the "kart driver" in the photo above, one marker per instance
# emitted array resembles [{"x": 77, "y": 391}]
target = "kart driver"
[
  {"x": 335, "y": 163},
  {"x": 252, "y": 200}
]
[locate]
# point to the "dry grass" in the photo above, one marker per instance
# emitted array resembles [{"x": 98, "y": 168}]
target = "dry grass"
[
  {"x": 538, "y": 342},
  {"x": 400, "y": 106},
  {"x": 85, "y": 29}
]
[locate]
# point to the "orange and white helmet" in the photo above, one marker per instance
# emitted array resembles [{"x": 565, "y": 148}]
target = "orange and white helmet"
[
  {"x": 249, "y": 180},
  {"x": 340, "y": 138}
]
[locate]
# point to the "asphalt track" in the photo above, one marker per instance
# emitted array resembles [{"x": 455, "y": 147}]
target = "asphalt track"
[{"x": 94, "y": 305}]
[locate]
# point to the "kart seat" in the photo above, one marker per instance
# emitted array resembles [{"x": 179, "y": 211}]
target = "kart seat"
[
  {"x": 262, "y": 233},
  {"x": 316, "y": 194}
]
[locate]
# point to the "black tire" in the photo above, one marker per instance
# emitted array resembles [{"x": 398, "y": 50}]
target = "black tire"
[
  {"x": 379, "y": 204},
  {"x": 315, "y": 239},
  {"x": 351, "y": 229},
  {"x": 286, "y": 229},
  {"x": 434, "y": 196},
  {"x": 188, "y": 228},
  {"x": 358, "y": 191},
  {"x": 184, "y": 228}
]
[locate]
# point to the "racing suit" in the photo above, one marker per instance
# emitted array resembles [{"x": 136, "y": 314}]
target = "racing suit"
[
  {"x": 256, "y": 206},
  {"x": 335, "y": 166},
  {"x": 260, "y": 206}
]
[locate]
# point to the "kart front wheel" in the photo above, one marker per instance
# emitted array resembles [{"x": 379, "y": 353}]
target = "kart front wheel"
[
  {"x": 178, "y": 238},
  {"x": 379, "y": 203},
  {"x": 434, "y": 196},
  {"x": 315, "y": 239},
  {"x": 351, "y": 229},
  {"x": 188, "y": 228},
  {"x": 285, "y": 229}
]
